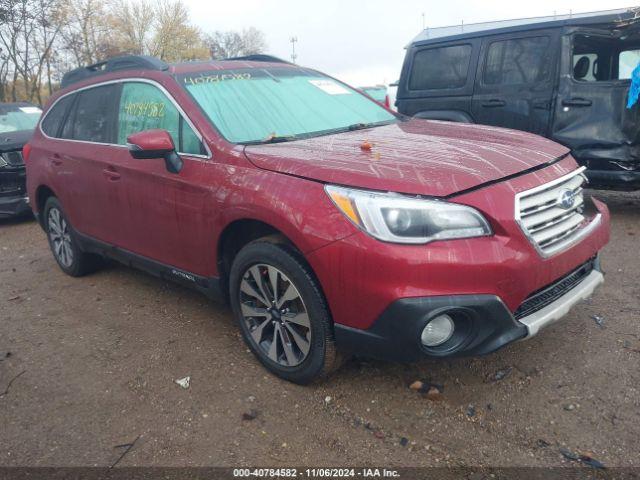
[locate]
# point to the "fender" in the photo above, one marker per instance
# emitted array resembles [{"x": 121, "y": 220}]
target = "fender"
[{"x": 446, "y": 115}]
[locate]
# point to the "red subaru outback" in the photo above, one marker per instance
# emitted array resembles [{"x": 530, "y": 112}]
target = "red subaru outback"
[{"x": 328, "y": 222}]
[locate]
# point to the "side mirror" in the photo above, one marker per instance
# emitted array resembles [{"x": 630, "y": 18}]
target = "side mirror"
[{"x": 155, "y": 144}]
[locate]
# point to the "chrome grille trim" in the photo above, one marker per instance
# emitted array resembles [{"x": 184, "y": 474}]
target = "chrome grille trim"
[{"x": 549, "y": 226}]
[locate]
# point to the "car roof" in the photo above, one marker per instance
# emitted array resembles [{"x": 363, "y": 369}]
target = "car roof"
[
  {"x": 473, "y": 30},
  {"x": 129, "y": 63}
]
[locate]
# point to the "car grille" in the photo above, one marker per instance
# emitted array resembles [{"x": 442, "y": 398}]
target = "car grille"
[
  {"x": 13, "y": 159},
  {"x": 552, "y": 215},
  {"x": 551, "y": 293}
]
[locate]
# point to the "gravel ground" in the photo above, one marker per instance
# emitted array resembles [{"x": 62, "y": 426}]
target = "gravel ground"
[{"x": 89, "y": 364}]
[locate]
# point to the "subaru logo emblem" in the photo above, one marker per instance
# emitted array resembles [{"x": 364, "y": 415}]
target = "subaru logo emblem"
[{"x": 567, "y": 199}]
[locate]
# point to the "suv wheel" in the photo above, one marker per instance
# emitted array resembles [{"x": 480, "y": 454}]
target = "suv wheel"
[
  {"x": 282, "y": 313},
  {"x": 64, "y": 246}
]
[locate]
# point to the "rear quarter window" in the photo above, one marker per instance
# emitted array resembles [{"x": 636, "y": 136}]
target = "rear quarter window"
[
  {"x": 52, "y": 122},
  {"x": 440, "y": 68},
  {"x": 627, "y": 62},
  {"x": 517, "y": 61}
]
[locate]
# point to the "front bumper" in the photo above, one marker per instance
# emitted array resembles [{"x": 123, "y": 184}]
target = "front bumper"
[
  {"x": 483, "y": 323},
  {"x": 14, "y": 206}
]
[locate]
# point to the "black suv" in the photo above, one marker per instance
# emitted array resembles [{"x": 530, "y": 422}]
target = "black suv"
[
  {"x": 17, "y": 122},
  {"x": 564, "y": 77}
]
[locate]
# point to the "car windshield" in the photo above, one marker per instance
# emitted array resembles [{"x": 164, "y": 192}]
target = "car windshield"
[
  {"x": 280, "y": 104},
  {"x": 16, "y": 117}
]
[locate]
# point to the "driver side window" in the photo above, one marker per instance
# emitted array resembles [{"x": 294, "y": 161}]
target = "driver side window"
[{"x": 144, "y": 107}]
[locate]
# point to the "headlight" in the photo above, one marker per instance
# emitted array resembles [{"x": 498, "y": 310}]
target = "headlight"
[
  {"x": 397, "y": 218},
  {"x": 3, "y": 161}
]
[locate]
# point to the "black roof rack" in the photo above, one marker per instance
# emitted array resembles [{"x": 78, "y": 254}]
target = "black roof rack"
[
  {"x": 115, "y": 64},
  {"x": 258, "y": 57}
]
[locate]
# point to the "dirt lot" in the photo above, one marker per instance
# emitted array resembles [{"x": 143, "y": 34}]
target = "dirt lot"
[{"x": 89, "y": 364}]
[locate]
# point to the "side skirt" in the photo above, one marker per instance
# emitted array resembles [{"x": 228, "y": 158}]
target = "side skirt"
[{"x": 209, "y": 286}]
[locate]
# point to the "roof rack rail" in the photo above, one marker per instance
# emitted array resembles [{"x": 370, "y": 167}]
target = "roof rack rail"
[
  {"x": 258, "y": 57},
  {"x": 115, "y": 64}
]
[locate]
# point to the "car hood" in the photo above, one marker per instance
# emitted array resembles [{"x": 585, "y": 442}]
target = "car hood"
[
  {"x": 418, "y": 157},
  {"x": 10, "y": 141}
]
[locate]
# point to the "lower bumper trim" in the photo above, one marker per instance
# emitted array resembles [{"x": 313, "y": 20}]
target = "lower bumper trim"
[{"x": 558, "y": 309}]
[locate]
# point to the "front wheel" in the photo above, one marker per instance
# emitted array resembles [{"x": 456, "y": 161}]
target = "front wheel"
[{"x": 282, "y": 313}]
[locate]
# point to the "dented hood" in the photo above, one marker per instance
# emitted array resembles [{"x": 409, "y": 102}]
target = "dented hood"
[{"x": 415, "y": 157}]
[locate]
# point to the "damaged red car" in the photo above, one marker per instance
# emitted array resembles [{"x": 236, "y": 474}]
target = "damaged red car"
[{"x": 331, "y": 225}]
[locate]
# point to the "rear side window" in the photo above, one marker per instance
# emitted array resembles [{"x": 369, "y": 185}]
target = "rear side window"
[
  {"x": 145, "y": 107},
  {"x": 627, "y": 62},
  {"x": 52, "y": 123},
  {"x": 440, "y": 68},
  {"x": 92, "y": 118},
  {"x": 517, "y": 61}
]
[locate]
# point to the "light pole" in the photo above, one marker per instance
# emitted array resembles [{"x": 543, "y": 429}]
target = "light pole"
[{"x": 293, "y": 41}]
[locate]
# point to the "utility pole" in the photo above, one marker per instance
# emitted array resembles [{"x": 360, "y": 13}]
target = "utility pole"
[
  {"x": 294, "y": 56},
  {"x": 424, "y": 21}
]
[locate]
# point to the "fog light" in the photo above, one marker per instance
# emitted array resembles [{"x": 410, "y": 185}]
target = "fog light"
[{"x": 437, "y": 331}]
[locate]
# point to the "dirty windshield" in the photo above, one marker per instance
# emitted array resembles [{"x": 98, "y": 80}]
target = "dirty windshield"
[{"x": 280, "y": 104}]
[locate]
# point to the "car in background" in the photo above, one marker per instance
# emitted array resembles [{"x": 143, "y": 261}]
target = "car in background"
[
  {"x": 563, "y": 77},
  {"x": 378, "y": 93},
  {"x": 17, "y": 122}
]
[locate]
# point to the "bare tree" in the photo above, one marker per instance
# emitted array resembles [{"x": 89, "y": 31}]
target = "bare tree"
[
  {"x": 28, "y": 29},
  {"x": 86, "y": 30},
  {"x": 226, "y": 44},
  {"x": 132, "y": 24},
  {"x": 175, "y": 39},
  {"x": 42, "y": 39}
]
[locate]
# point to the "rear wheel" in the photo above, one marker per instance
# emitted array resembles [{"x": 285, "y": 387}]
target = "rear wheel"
[
  {"x": 282, "y": 313},
  {"x": 64, "y": 246}
]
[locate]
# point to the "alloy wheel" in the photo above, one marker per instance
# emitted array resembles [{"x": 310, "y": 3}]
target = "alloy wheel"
[
  {"x": 60, "y": 237},
  {"x": 275, "y": 315}
]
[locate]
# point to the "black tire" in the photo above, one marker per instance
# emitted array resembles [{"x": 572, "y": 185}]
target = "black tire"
[
  {"x": 74, "y": 261},
  {"x": 321, "y": 358}
]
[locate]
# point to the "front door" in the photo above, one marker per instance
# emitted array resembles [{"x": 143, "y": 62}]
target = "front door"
[
  {"x": 515, "y": 81},
  {"x": 168, "y": 218}
]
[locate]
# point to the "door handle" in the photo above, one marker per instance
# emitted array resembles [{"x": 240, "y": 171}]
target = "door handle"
[
  {"x": 542, "y": 104},
  {"x": 577, "y": 102},
  {"x": 55, "y": 160},
  {"x": 111, "y": 174},
  {"x": 494, "y": 102}
]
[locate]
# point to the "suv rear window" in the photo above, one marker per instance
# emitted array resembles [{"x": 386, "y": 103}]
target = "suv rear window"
[
  {"x": 440, "y": 68},
  {"x": 92, "y": 118},
  {"x": 517, "y": 61}
]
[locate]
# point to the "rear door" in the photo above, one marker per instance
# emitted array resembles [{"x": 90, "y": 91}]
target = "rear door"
[
  {"x": 437, "y": 81},
  {"x": 79, "y": 161},
  {"x": 591, "y": 116},
  {"x": 515, "y": 82}
]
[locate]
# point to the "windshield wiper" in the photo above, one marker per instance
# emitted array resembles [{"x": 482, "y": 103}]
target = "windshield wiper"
[
  {"x": 360, "y": 126},
  {"x": 273, "y": 139}
]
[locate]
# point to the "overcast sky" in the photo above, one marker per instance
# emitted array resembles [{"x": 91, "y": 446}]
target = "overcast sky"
[{"x": 362, "y": 42}]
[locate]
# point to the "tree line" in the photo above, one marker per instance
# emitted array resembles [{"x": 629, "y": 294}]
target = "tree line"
[{"x": 40, "y": 40}]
